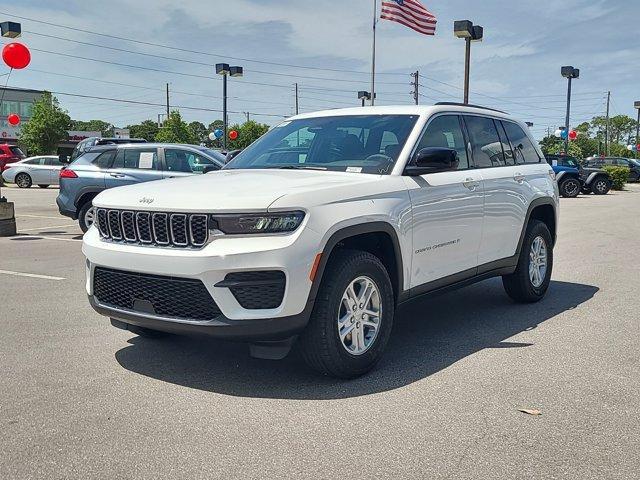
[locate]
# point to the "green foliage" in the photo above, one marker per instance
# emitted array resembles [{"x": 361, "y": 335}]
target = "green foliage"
[
  {"x": 553, "y": 145},
  {"x": 175, "y": 130},
  {"x": 93, "y": 126},
  {"x": 248, "y": 132},
  {"x": 198, "y": 131},
  {"x": 619, "y": 176},
  {"x": 148, "y": 130},
  {"x": 48, "y": 125}
]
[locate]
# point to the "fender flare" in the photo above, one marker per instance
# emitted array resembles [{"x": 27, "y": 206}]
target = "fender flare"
[
  {"x": 534, "y": 204},
  {"x": 351, "y": 231},
  {"x": 83, "y": 191},
  {"x": 594, "y": 175}
]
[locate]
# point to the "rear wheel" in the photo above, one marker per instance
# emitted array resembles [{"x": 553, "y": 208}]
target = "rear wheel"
[
  {"x": 601, "y": 186},
  {"x": 570, "y": 187},
  {"x": 41, "y": 185},
  {"x": 352, "y": 317},
  {"x": 86, "y": 216},
  {"x": 23, "y": 180},
  {"x": 529, "y": 282}
]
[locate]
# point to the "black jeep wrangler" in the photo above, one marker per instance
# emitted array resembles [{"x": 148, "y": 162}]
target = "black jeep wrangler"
[{"x": 592, "y": 180}]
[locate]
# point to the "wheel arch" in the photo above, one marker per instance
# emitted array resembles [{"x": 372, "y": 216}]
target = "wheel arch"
[
  {"x": 544, "y": 210},
  {"x": 85, "y": 195},
  {"x": 377, "y": 238}
]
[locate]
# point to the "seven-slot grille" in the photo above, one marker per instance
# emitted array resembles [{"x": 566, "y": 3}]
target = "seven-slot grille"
[{"x": 153, "y": 228}]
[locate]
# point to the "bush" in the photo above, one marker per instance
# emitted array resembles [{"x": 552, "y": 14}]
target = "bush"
[{"x": 619, "y": 176}]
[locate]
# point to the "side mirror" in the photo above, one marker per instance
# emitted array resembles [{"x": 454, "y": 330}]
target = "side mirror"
[
  {"x": 210, "y": 168},
  {"x": 63, "y": 158},
  {"x": 432, "y": 160},
  {"x": 232, "y": 154}
]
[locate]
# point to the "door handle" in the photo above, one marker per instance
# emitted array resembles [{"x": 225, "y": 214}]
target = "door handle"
[
  {"x": 117, "y": 175},
  {"x": 471, "y": 184},
  {"x": 518, "y": 177}
]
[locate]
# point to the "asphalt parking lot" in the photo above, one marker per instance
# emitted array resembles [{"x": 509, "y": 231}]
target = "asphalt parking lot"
[{"x": 81, "y": 399}]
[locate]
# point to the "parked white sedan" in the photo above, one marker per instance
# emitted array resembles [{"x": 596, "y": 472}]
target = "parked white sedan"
[{"x": 42, "y": 171}]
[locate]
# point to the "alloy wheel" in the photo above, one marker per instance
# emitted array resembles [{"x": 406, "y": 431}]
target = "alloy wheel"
[
  {"x": 89, "y": 217},
  {"x": 359, "y": 315},
  {"x": 538, "y": 262}
]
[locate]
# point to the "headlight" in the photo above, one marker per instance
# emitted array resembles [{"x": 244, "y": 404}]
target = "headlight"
[{"x": 257, "y": 223}]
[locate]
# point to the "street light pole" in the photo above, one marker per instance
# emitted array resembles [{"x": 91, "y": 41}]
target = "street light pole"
[
  {"x": 569, "y": 73},
  {"x": 471, "y": 33},
  {"x": 225, "y": 70}
]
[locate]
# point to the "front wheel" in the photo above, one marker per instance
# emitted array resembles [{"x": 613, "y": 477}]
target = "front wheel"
[
  {"x": 529, "y": 282},
  {"x": 86, "y": 216},
  {"x": 352, "y": 317},
  {"x": 570, "y": 188},
  {"x": 23, "y": 180}
]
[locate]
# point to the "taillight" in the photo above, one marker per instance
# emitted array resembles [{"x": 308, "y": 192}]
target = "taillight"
[{"x": 66, "y": 173}]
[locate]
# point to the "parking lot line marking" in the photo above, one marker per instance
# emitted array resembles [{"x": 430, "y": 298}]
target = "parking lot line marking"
[
  {"x": 45, "y": 228},
  {"x": 30, "y": 275},
  {"x": 37, "y": 216}
]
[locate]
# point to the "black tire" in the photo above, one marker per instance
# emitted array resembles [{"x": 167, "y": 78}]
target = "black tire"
[
  {"x": 41, "y": 185},
  {"x": 320, "y": 343},
  {"x": 585, "y": 190},
  {"x": 601, "y": 185},
  {"x": 518, "y": 285},
  {"x": 82, "y": 221},
  {"x": 23, "y": 180},
  {"x": 570, "y": 187}
]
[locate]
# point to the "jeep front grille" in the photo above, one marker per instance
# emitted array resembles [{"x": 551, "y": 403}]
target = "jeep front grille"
[{"x": 153, "y": 228}]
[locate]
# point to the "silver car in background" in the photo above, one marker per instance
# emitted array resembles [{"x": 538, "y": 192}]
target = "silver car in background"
[{"x": 43, "y": 171}]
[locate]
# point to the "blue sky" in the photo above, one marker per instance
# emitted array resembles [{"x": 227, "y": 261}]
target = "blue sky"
[{"x": 516, "y": 68}]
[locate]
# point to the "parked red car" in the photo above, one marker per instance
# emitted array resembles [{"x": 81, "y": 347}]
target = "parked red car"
[{"x": 9, "y": 154}]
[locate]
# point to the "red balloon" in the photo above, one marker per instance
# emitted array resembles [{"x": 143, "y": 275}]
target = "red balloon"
[
  {"x": 233, "y": 134},
  {"x": 16, "y": 55},
  {"x": 573, "y": 135},
  {"x": 13, "y": 119}
]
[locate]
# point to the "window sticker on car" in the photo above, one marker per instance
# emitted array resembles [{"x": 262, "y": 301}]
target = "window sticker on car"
[
  {"x": 146, "y": 160},
  {"x": 554, "y": 163},
  {"x": 354, "y": 169}
]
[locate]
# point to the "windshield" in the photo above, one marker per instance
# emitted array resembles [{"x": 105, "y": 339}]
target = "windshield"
[
  {"x": 212, "y": 153},
  {"x": 354, "y": 143}
]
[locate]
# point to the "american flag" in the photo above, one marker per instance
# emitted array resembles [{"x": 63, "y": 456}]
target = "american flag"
[{"x": 410, "y": 13}]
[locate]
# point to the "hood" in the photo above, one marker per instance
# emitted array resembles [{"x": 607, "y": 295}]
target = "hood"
[{"x": 226, "y": 190}]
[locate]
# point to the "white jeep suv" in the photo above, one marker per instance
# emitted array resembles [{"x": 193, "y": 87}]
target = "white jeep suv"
[{"x": 318, "y": 230}]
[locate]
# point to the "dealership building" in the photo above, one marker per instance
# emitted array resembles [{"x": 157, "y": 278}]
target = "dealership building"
[{"x": 20, "y": 101}]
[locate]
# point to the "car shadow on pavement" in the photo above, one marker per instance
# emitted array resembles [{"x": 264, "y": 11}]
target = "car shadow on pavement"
[{"x": 429, "y": 335}]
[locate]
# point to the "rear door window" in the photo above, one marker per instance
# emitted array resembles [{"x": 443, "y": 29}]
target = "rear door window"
[
  {"x": 524, "y": 150},
  {"x": 104, "y": 160},
  {"x": 137, "y": 158},
  {"x": 485, "y": 142}
]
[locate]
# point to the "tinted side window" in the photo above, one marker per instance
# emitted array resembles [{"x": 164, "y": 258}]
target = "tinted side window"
[
  {"x": 445, "y": 131},
  {"x": 104, "y": 160},
  {"x": 186, "y": 161},
  {"x": 509, "y": 157},
  {"x": 33, "y": 161},
  {"x": 137, "y": 158},
  {"x": 485, "y": 143},
  {"x": 525, "y": 152}
]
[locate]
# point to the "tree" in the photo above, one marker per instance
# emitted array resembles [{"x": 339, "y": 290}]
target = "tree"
[
  {"x": 175, "y": 130},
  {"x": 248, "y": 132},
  {"x": 198, "y": 131},
  {"x": 148, "y": 130},
  {"x": 105, "y": 128},
  {"x": 48, "y": 125}
]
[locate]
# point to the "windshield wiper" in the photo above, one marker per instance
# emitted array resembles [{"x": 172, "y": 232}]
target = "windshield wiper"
[{"x": 301, "y": 167}]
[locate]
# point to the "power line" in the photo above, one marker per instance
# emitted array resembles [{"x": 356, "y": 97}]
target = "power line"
[
  {"x": 193, "y": 62},
  {"x": 197, "y": 52}
]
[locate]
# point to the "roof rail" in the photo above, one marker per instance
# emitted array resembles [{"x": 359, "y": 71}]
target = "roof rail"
[{"x": 456, "y": 104}]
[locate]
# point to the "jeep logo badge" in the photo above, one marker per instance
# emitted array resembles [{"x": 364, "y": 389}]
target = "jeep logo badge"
[{"x": 146, "y": 200}]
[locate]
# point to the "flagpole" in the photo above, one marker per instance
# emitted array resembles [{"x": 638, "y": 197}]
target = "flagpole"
[{"x": 373, "y": 56}]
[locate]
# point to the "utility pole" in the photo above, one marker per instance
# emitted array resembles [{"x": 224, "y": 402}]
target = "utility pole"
[
  {"x": 606, "y": 131},
  {"x": 297, "y": 102},
  {"x": 416, "y": 85},
  {"x": 167, "y": 101},
  {"x": 247, "y": 114}
]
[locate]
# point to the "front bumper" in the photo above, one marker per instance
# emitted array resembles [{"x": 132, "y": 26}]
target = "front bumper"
[{"x": 292, "y": 254}]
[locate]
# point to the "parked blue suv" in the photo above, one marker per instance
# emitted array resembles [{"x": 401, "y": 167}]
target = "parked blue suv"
[{"x": 111, "y": 166}]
